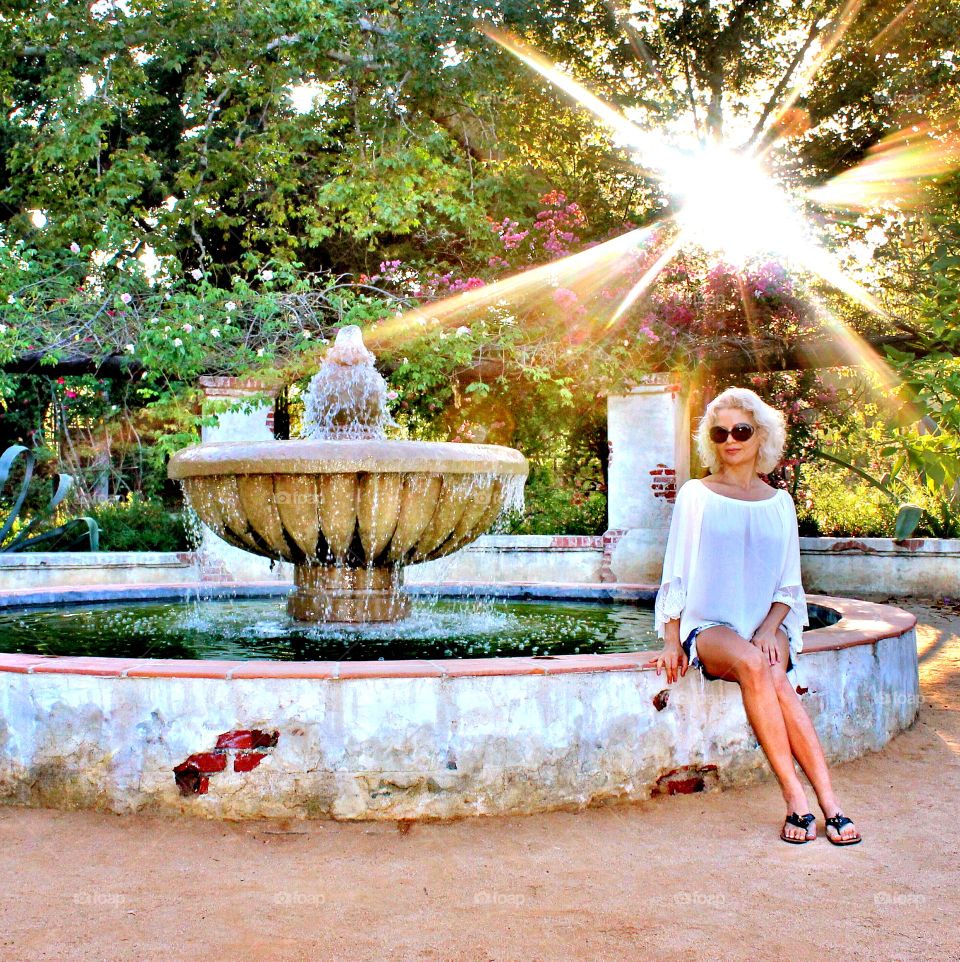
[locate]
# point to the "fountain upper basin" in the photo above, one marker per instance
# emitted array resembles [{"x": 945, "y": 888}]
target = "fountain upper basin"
[{"x": 349, "y": 513}]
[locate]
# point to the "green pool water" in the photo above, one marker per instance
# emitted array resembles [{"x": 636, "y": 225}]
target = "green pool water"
[{"x": 259, "y": 628}]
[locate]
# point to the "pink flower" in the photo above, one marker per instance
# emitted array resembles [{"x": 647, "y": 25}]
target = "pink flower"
[
  {"x": 565, "y": 297},
  {"x": 126, "y": 298},
  {"x": 74, "y": 247}
]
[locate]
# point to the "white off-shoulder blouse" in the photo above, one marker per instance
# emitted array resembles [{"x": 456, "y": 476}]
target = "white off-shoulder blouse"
[{"x": 727, "y": 560}]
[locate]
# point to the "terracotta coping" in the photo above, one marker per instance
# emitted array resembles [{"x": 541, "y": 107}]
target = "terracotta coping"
[{"x": 861, "y": 623}]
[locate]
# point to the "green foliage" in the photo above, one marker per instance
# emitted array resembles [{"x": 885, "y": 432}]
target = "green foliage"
[
  {"x": 837, "y": 507},
  {"x": 168, "y": 128},
  {"x": 135, "y": 524},
  {"x": 559, "y": 505}
]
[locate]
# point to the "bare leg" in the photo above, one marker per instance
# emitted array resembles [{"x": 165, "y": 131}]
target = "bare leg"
[
  {"x": 725, "y": 654},
  {"x": 804, "y": 742}
]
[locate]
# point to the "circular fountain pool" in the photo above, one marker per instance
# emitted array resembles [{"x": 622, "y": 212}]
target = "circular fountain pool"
[
  {"x": 260, "y": 628},
  {"x": 247, "y": 733}
]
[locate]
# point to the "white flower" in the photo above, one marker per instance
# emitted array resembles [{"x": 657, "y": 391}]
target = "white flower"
[
  {"x": 230, "y": 306},
  {"x": 307, "y": 335},
  {"x": 126, "y": 298},
  {"x": 153, "y": 320},
  {"x": 11, "y": 299},
  {"x": 461, "y": 331},
  {"x": 196, "y": 273},
  {"x": 188, "y": 327},
  {"x": 214, "y": 331},
  {"x": 74, "y": 247},
  {"x": 166, "y": 327},
  {"x": 177, "y": 342},
  {"x": 129, "y": 348},
  {"x": 259, "y": 352},
  {"x": 267, "y": 275},
  {"x": 3, "y": 328}
]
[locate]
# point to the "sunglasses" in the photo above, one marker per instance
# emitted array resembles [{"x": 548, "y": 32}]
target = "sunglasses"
[{"x": 740, "y": 432}]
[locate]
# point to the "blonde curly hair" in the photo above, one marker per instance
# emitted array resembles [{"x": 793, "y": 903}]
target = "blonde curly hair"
[{"x": 771, "y": 427}]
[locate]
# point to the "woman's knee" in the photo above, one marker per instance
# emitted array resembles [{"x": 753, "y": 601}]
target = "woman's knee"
[
  {"x": 725, "y": 654},
  {"x": 755, "y": 666}
]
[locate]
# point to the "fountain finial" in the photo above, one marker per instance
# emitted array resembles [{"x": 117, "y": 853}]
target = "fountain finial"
[
  {"x": 347, "y": 398},
  {"x": 348, "y": 348}
]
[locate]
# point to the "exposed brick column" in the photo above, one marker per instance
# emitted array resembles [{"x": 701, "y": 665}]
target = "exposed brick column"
[
  {"x": 648, "y": 431},
  {"x": 235, "y": 425},
  {"x": 218, "y": 560}
]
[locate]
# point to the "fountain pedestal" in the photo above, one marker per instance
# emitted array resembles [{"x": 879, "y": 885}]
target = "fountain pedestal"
[{"x": 341, "y": 593}]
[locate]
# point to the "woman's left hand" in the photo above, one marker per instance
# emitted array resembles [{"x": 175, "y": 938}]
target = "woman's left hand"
[{"x": 766, "y": 641}]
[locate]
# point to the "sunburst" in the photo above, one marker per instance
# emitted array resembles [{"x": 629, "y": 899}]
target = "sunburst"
[{"x": 723, "y": 201}]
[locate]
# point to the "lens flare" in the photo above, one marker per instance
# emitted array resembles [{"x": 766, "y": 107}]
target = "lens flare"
[
  {"x": 720, "y": 200},
  {"x": 893, "y": 172}
]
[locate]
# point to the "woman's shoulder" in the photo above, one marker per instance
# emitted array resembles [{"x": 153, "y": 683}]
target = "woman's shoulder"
[{"x": 690, "y": 486}]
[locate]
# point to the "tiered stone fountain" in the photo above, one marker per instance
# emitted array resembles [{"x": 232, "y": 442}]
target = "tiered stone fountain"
[{"x": 346, "y": 506}]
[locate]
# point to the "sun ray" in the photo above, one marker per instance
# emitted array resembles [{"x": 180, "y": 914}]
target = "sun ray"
[
  {"x": 895, "y": 24},
  {"x": 654, "y": 149},
  {"x": 894, "y": 170},
  {"x": 645, "y": 282},
  {"x": 727, "y": 202},
  {"x": 862, "y": 354},
  {"x": 587, "y": 270},
  {"x": 844, "y": 20}
]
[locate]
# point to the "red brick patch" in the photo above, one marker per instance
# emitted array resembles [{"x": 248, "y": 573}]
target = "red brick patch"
[
  {"x": 192, "y": 775},
  {"x": 248, "y": 761},
  {"x": 664, "y": 484},
  {"x": 248, "y": 738},
  {"x": 852, "y": 546},
  {"x": 686, "y": 780}
]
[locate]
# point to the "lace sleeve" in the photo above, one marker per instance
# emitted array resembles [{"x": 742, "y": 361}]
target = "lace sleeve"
[
  {"x": 669, "y": 604},
  {"x": 794, "y": 596},
  {"x": 674, "y": 578}
]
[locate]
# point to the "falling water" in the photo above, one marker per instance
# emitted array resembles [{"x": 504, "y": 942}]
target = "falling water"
[{"x": 347, "y": 398}]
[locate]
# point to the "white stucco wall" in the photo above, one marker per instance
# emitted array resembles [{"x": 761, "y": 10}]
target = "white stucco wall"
[{"x": 406, "y": 747}]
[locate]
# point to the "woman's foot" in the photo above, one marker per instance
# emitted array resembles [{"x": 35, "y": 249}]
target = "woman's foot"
[
  {"x": 797, "y": 802},
  {"x": 795, "y": 833},
  {"x": 848, "y": 832}
]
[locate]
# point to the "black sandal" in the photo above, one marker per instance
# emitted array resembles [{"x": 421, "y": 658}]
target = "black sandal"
[
  {"x": 838, "y": 821},
  {"x": 801, "y": 821}
]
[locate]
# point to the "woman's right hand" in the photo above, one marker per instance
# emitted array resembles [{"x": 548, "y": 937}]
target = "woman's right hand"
[{"x": 674, "y": 659}]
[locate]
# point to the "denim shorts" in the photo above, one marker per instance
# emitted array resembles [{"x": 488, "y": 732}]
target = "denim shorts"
[{"x": 697, "y": 663}]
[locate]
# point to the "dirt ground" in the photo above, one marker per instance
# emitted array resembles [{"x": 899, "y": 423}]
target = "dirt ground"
[{"x": 694, "y": 877}]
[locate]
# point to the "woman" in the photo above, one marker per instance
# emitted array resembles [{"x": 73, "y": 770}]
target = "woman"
[{"x": 731, "y": 587}]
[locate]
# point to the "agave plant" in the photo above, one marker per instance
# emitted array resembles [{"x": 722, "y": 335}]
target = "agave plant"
[{"x": 76, "y": 531}]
